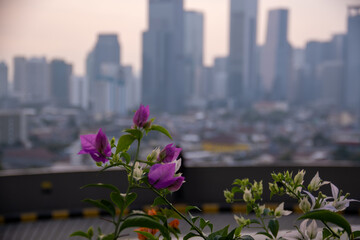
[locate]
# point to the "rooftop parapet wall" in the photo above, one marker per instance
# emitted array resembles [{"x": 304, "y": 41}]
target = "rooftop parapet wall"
[{"x": 47, "y": 192}]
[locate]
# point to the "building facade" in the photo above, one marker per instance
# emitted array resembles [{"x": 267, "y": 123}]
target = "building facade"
[
  {"x": 242, "y": 51},
  {"x": 60, "y": 74},
  {"x": 163, "y": 57},
  {"x": 4, "y": 86},
  {"x": 276, "y": 57}
]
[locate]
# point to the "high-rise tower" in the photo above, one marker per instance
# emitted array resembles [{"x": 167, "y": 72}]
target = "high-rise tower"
[
  {"x": 163, "y": 57},
  {"x": 4, "y": 89},
  {"x": 193, "y": 53},
  {"x": 104, "y": 73},
  {"x": 242, "y": 51},
  {"x": 352, "y": 86},
  {"x": 60, "y": 73},
  {"x": 276, "y": 57}
]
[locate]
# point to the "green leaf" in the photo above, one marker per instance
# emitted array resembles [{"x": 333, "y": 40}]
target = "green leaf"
[
  {"x": 202, "y": 223},
  {"x": 328, "y": 216},
  {"x": 159, "y": 201},
  {"x": 326, "y": 233},
  {"x": 247, "y": 237},
  {"x": 248, "y": 208},
  {"x": 147, "y": 235},
  {"x": 108, "y": 237},
  {"x": 102, "y": 204},
  {"x": 190, "y": 235},
  {"x": 238, "y": 231},
  {"x": 274, "y": 227},
  {"x": 90, "y": 232},
  {"x": 135, "y": 132},
  {"x": 356, "y": 234},
  {"x": 118, "y": 199},
  {"x": 80, "y": 234},
  {"x": 265, "y": 234},
  {"x": 230, "y": 236},
  {"x": 189, "y": 208},
  {"x": 124, "y": 143},
  {"x": 194, "y": 219},
  {"x": 109, "y": 206},
  {"x": 254, "y": 221},
  {"x": 145, "y": 221},
  {"x": 160, "y": 129},
  {"x": 102, "y": 185},
  {"x": 222, "y": 232},
  {"x": 126, "y": 156},
  {"x": 130, "y": 198}
]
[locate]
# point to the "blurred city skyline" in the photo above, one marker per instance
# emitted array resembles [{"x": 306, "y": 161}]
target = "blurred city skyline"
[{"x": 39, "y": 28}]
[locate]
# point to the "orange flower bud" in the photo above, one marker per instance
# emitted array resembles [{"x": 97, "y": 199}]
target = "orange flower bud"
[
  {"x": 174, "y": 224},
  {"x": 151, "y": 212}
]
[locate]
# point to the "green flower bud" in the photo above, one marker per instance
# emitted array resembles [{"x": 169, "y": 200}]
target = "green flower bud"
[
  {"x": 153, "y": 155},
  {"x": 242, "y": 221},
  {"x": 305, "y": 205},
  {"x": 299, "y": 178},
  {"x": 229, "y": 196}
]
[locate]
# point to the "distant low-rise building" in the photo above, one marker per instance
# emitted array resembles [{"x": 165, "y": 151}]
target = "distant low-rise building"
[{"x": 13, "y": 129}]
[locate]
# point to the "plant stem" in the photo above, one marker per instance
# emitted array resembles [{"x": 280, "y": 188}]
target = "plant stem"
[
  {"x": 328, "y": 227},
  {"x": 177, "y": 211},
  {"x": 299, "y": 198},
  {"x": 117, "y": 228}
]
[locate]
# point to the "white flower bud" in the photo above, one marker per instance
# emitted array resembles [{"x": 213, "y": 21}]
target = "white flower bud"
[{"x": 247, "y": 195}]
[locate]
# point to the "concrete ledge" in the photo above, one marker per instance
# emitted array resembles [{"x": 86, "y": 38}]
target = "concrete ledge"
[{"x": 207, "y": 208}]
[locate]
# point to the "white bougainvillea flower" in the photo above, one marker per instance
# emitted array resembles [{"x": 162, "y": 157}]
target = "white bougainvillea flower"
[
  {"x": 247, "y": 195},
  {"x": 279, "y": 211},
  {"x": 138, "y": 171},
  {"x": 316, "y": 183},
  {"x": 339, "y": 203},
  {"x": 305, "y": 232}
]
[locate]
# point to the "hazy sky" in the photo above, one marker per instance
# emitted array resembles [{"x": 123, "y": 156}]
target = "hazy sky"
[{"x": 68, "y": 29}]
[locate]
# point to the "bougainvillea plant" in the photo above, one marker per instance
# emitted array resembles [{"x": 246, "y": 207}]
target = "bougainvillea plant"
[{"x": 159, "y": 173}]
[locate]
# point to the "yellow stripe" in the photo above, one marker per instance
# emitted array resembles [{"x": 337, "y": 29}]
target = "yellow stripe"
[
  {"x": 297, "y": 209},
  {"x": 210, "y": 208},
  {"x": 60, "y": 214},
  {"x": 117, "y": 211},
  {"x": 181, "y": 207},
  {"x": 2, "y": 219},
  {"x": 28, "y": 217},
  {"x": 238, "y": 208},
  {"x": 46, "y": 185},
  {"x": 272, "y": 206},
  {"x": 91, "y": 212}
]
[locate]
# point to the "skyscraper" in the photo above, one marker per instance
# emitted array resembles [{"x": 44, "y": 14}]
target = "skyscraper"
[
  {"x": 4, "y": 88},
  {"x": 60, "y": 73},
  {"x": 19, "y": 76},
  {"x": 37, "y": 83},
  {"x": 193, "y": 47},
  {"x": 79, "y": 92},
  {"x": 276, "y": 57},
  {"x": 103, "y": 69},
  {"x": 163, "y": 57},
  {"x": 352, "y": 86},
  {"x": 242, "y": 52}
]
